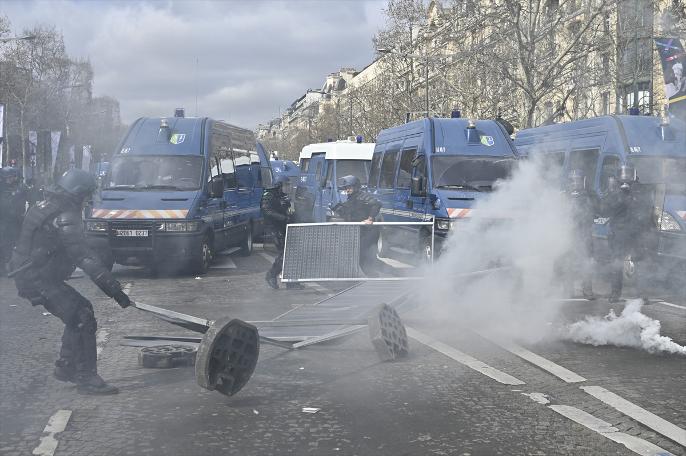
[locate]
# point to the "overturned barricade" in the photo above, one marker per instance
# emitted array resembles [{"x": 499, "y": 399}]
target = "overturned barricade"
[{"x": 228, "y": 351}]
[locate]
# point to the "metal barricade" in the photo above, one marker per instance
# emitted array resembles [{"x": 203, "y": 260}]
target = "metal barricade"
[{"x": 331, "y": 251}]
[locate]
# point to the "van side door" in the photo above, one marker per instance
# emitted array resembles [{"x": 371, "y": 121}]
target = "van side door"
[
  {"x": 386, "y": 186},
  {"x": 318, "y": 169},
  {"x": 217, "y": 205},
  {"x": 244, "y": 195}
]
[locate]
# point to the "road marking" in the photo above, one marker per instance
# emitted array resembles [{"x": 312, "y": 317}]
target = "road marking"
[
  {"x": 229, "y": 251},
  {"x": 223, "y": 262},
  {"x": 127, "y": 287},
  {"x": 267, "y": 256},
  {"x": 635, "y": 444},
  {"x": 101, "y": 338},
  {"x": 56, "y": 424},
  {"x": 318, "y": 288},
  {"x": 537, "y": 360},
  {"x": 677, "y": 306},
  {"x": 464, "y": 358},
  {"x": 541, "y": 398},
  {"x": 641, "y": 415}
]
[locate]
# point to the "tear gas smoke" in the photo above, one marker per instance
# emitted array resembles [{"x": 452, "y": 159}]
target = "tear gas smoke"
[
  {"x": 630, "y": 328},
  {"x": 524, "y": 226}
]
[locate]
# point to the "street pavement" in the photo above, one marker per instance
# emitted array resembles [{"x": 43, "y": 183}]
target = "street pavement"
[{"x": 459, "y": 392}]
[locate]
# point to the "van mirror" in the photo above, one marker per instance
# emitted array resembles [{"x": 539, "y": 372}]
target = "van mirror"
[
  {"x": 417, "y": 186},
  {"x": 217, "y": 187}
]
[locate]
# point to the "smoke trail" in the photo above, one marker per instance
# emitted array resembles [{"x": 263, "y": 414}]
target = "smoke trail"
[{"x": 630, "y": 329}]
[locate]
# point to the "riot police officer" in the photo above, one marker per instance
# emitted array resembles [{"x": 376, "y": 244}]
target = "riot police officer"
[
  {"x": 362, "y": 207},
  {"x": 584, "y": 209},
  {"x": 630, "y": 214},
  {"x": 277, "y": 212},
  {"x": 50, "y": 245},
  {"x": 13, "y": 197}
]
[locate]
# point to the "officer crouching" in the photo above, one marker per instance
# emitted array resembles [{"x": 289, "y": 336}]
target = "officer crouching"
[
  {"x": 277, "y": 212},
  {"x": 51, "y": 243}
]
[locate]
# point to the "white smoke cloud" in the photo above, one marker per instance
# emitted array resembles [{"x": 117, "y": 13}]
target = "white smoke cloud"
[
  {"x": 525, "y": 225},
  {"x": 630, "y": 328}
]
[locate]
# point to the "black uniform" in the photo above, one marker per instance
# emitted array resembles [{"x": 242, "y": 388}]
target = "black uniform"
[
  {"x": 359, "y": 207},
  {"x": 585, "y": 207},
  {"x": 12, "y": 209},
  {"x": 631, "y": 214},
  {"x": 275, "y": 207},
  {"x": 50, "y": 245}
]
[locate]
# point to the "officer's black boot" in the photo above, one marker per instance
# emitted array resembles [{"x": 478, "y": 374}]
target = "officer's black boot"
[
  {"x": 64, "y": 371},
  {"x": 92, "y": 383}
]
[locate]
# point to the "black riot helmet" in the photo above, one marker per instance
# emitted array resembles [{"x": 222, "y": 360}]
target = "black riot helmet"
[
  {"x": 77, "y": 183},
  {"x": 576, "y": 182},
  {"x": 280, "y": 181},
  {"x": 349, "y": 181},
  {"x": 626, "y": 176}
]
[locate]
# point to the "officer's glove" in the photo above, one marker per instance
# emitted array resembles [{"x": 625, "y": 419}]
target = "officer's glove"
[{"x": 122, "y": 299}]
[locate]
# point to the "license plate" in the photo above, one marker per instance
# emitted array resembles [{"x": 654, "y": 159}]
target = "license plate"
[{"x": 132, "y": 233}]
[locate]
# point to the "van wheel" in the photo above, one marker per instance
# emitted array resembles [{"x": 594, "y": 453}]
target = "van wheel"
[
  {"x": 381, "y": 247},
  {"x": 203, "y": 256},
  {"x": 246, "y": 245}
]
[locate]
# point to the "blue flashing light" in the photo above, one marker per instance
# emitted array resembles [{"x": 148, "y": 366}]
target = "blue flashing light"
[
  {"x": 455, "y": 114},
  {"x": 359, "y": 139},
  {"x": 634, "y": 111}
]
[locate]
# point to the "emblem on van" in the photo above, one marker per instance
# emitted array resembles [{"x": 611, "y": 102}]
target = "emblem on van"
[
  {"x": 635, "y": 149},
  {"x": 125, "y": 150},
  {"x": 487, "y": 141},
  {"x": 177, "y": 138}
]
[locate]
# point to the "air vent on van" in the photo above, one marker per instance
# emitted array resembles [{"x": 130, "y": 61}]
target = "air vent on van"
[
  {"x": 113, "y": 199},
  {"x": 174, "y": 199},
  {"x": 456, "y": 198}
]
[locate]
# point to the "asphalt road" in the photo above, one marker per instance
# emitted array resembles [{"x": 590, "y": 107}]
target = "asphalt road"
[{"x": 461, "y": 391}]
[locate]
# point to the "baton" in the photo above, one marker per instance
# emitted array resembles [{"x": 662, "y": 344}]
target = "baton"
[{"x": 21, "y": 268}]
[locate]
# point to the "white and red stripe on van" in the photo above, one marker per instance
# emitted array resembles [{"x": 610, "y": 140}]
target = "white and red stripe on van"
[
  {"x": 139, "y": 214},
  {"x": 456, "y": 212}
]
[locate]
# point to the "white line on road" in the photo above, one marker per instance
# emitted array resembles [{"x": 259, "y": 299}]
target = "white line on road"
[
  {"x": 537, "y": 360},
  {"x": 676, "y": 306},
  {"x": 318, "y": 288},
  {"x": 641, "y": 415},
  {"x": 101, "y": 338},
  {"x": 464, "y": 358},
  {"x": 635, "y": 444},
  {"x": 56, "y": 424},
  {"x": 127, "y": 287},
  {"x": 267, "y": 256}
]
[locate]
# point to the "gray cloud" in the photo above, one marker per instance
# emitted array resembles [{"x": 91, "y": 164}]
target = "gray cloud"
[{"x": 252, "y": 56}]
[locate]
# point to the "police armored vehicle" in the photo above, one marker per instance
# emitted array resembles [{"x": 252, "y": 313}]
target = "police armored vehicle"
[
  {"x": 435, "y": 169},
  {"x": 178, "y": 191},
  {"x": 321, "y": 165}
]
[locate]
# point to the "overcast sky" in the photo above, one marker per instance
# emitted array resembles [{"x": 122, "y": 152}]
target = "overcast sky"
[{"x": 252, "y": 56}]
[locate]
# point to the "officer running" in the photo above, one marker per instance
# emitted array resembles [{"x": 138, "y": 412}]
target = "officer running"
[
  {"x": 51, "y": 244},
  {"x": 277, "y": 212},
  {"x": 584, "y": 208},
  {"x": 13, "y": 197},
  {"x": 363, "y": 207},
  {"x": 630, "y": 215}
]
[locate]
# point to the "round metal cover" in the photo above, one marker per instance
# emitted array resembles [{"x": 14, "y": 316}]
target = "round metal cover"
[
  {"x": 388, "y": 334},
  {"x": 227, "y": 356},
  {"x": 166, "y": 356}
]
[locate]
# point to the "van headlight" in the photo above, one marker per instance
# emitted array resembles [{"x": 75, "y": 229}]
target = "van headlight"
[
  {"x": 177, "y": 227},
  {"x": 665, "y": 221},
  {"x": 96, "y": 226},
  {"x": 443, "y": 224}
]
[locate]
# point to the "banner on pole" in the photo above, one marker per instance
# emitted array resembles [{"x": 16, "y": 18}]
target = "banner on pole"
[
  {"x": 673, "y": 59},
  {"x": 54, "y": 147},
  {"x": 86, "y": 159},
  {"x": 2, "y": 133}
]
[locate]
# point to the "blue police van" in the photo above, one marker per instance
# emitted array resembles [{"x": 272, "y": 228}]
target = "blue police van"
[
  {"x": 178, "y": 191},
  {"x": 321, "y": 165},
  {"x": 655, "y": 146},
  {"x": 435, "y": 169}
]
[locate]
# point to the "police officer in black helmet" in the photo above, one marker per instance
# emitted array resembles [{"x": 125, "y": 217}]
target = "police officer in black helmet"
[
  {"x": 584, "y": 209},
  {"x": 362, "y": 207},
  {"x": 277, "y": 212},
  {"x": 630, "y": 215},
  {"x": 50, "y": 245}
]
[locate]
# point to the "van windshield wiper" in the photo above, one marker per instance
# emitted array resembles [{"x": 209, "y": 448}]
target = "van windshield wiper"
[
  {"x": 460, "y": 187},
  {"x": 159, "y": 187}
]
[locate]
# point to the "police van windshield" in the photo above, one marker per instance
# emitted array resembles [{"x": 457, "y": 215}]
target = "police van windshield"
[
  {"x": 155, "y": 172},
  {"x": 357, "y": 168},
  {"x": 470, "y": 173},
  {"x": 662, "y": 170}
]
